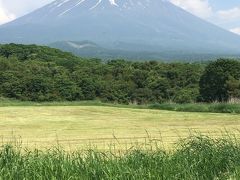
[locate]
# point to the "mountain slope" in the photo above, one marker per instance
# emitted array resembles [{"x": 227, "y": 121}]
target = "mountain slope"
[
  {"x": 92, "y": 50},
  {"x": 132, "y": 25}
]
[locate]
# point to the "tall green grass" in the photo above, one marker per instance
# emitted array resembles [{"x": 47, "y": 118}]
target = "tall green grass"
[
  {"x": 191, "y": 107},
  {"x": 197, "y": 157},
  {"x": 199, "y": 107}
]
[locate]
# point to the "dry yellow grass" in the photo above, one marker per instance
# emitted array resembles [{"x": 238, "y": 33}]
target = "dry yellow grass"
[{"x": 74, "y": 126}]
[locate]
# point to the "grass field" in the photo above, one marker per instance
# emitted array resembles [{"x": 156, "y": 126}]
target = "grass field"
[
  {"x": 77, "y": 126},
  {"x": 197, "y": 157},
  {"x": 144, "y": 137}
]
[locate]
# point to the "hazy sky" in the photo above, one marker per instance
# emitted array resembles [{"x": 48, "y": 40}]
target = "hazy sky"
[{"x": 224, "y": 13}]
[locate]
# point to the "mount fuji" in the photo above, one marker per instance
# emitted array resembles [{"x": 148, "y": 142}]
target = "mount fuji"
[{"x": 125, "y": 25}]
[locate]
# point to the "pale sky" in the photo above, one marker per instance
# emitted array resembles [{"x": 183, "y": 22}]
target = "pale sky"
[{"x": 224, "y": 13}]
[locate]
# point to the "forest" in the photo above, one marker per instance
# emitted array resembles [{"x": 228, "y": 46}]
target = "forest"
[{"x": 40, "y": 73}]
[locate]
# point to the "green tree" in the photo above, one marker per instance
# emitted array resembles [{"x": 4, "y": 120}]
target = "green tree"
[
  {"x": 142, "y": 96},
  {"x": 214, "y": 81},
  {"x": 160, "y": 89},
  {"x": 233, "y": 86},
  {"x": 186, "y": 96},
  {"x": 66, "y": 89},
  {"x": 37, "y": 88}
]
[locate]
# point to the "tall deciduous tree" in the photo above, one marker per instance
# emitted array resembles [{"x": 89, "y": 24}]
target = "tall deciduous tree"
[{"x": 217, "y": 80}]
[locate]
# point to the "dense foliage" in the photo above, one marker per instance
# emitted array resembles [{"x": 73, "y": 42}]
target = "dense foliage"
[
  {"x": 36, "y": 73},
  {"x": 43, "y": 74},
  {"x": 221, "y": 81},
  {"x": 197, "y": 157}
]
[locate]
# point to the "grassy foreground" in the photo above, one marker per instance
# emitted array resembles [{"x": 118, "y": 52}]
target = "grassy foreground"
[{"x": 197, "y": 157}]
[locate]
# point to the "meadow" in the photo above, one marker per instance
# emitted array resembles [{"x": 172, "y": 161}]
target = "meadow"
[
  {"x": 92, "y": 140},
  {"x": 77, "y": 126}
]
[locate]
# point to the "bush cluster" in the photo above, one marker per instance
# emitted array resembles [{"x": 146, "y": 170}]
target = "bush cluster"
[{"x": 37, "y": 73}]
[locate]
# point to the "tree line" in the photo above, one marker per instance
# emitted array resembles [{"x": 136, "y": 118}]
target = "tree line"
[{"x": 38, "y": 73}]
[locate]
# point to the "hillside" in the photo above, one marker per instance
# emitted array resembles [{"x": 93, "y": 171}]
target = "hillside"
[{"x": 90, "y": 49}]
